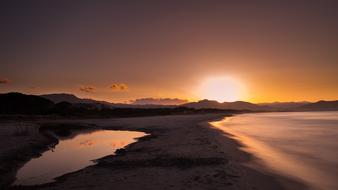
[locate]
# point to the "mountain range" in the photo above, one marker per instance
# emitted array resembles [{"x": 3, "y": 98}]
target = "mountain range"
[
  {"x": 205, "y": 104},
  {"x": 238, "y": 105},
  {"x": 63, "y": 97}
]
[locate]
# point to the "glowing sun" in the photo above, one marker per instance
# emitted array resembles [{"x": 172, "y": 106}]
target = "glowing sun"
[{"x": 221, "y": 89}]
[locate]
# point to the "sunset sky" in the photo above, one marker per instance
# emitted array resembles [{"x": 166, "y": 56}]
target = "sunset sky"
[{"x": 124, "y": 50}]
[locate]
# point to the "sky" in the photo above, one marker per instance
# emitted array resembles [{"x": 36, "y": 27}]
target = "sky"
[{"x": 124, "y": 50}]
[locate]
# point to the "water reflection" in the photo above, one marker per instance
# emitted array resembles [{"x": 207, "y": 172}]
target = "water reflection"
[
  {"x": 72, "y": 154},
  {"x": 301, "y": 145}
]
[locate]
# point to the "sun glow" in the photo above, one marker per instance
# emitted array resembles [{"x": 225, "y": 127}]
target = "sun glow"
[{"x": 222, "y": 89}]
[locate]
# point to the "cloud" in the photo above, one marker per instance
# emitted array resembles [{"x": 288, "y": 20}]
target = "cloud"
[
  {"x": 159, "y": 101},
  {"x": 88, "y": 89},
  {"x": 4, "y": 81},
  {"x": 119, "y": 87}
]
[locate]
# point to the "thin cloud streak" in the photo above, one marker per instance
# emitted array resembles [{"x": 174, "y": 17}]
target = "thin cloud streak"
[
  {"x": 87, "y": 89},
  {"x": 4, "y": 81}
]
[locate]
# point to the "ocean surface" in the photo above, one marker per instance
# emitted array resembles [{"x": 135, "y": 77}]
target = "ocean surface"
[
  {"x": 72, "y": 154},
  {"x": 299, "y": 145}
]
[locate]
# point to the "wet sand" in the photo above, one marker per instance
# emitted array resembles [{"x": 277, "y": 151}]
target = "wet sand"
[{"x": 182, "y": 152}]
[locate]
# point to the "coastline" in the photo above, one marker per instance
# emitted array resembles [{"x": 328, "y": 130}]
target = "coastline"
[{"x": 181, "y": 152}]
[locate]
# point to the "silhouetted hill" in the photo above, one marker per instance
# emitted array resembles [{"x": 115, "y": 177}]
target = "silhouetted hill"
[
  {"x": 159, "y": 101},
  {"x": 284, "y": 105},
  {"x": 17, "y": 103},
  {"x": 320, "y": 106},
  {"x": 70, "y": 105},
  {"x": 239, "y": 105},
  {"x": 62, "y": 97},
  {"x": 80, "y": 102}
]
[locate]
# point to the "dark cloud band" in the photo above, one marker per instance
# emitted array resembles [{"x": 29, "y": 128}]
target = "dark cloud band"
[{"x": 119, "y": 87}]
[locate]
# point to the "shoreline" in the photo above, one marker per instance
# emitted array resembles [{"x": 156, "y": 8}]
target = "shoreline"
[
  {"x": 181, "y": 152},
  {"x": 250, "y": 162}
]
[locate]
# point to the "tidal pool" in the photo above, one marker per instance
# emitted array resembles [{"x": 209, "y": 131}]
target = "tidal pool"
[{"x": 72, "y": 154}]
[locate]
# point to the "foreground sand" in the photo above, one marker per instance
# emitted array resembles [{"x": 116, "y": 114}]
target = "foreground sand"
[{"x": 183, "y": 152}]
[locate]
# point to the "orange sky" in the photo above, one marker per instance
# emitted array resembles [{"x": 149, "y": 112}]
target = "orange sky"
[{"x": 284, "y": 51}]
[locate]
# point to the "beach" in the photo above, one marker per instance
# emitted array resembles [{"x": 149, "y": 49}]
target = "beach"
[{"x": 181, "y": 152}]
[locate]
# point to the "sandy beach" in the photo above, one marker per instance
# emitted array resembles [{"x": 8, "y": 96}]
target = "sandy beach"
[{"x": 181, "y": 152}]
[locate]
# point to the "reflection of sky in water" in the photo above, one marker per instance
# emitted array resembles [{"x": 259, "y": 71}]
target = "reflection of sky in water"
[
  {"x": 303, "y": 145},
  {"x": 73, "y": 154}
]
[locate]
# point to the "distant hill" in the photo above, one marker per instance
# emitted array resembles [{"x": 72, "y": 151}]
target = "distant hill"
[
  {"x": 159, "y": 101},
  {"x": 284, "y": 105},
  {"x": 239, "y": 105},
  {"x": 17, "y": 103},
  {"x": 29, "y": 104},
  {"x": 319, "y": 106},
  {"x": 63, "y": 97}
]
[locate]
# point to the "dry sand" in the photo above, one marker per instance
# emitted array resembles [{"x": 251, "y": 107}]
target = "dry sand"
[{"x": 183, "y": 152}]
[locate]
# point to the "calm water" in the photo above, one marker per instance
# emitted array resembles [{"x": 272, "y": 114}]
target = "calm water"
[
  {"x": 74, "y": 154},
  {"x": 301, "y": 145}
]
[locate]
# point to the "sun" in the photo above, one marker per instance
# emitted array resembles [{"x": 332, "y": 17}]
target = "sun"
[{"x": 222, "y": 89}]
